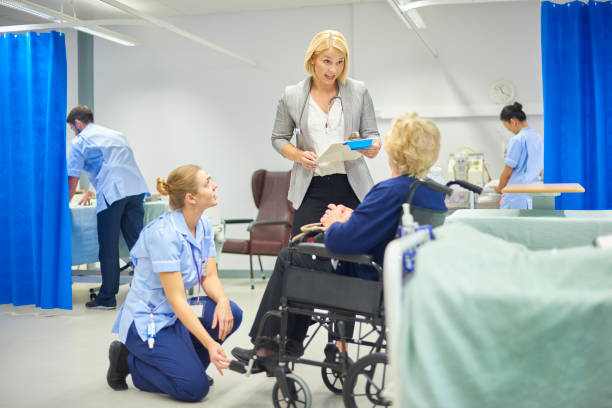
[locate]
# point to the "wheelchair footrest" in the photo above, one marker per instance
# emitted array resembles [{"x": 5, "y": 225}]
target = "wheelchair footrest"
[
  {"x": 238, "y": 366},
  {"x": 241, "y": 367}
]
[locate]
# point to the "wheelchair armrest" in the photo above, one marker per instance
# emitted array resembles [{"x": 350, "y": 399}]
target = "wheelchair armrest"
[
  {"x": 320, "y": 250},
  {"x": 237, "y": 220},
  {"x": 267, "y": 222}
]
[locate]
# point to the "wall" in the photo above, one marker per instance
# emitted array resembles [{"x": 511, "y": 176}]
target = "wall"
[{"x": 179, "y": 102}]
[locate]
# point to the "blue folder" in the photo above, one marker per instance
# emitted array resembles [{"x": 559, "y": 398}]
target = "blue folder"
[{"x": 359, "y": 144}]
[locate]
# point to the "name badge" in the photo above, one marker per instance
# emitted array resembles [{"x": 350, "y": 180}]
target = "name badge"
[
  {"x": 198, "y": 310},
  {"x": 197, "y": 305}
]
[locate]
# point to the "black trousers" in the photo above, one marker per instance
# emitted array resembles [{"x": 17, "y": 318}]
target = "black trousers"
[
  {"x": 323, "y": 190},
  {"x": 125, "y": 215},
  {"x": 297, "y": 324}
]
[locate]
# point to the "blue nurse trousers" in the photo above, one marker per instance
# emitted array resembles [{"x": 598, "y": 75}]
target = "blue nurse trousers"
[
  {"x": 125, "y": 215},
  {"x": 177, "y": 363}
]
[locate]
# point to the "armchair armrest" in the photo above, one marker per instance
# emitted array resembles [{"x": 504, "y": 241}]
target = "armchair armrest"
[
  {"x": 267, "y": 222},
  {"x": 320, "y": 250}
]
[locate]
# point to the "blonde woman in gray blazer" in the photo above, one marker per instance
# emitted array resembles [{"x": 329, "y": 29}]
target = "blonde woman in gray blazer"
[{"x": 325, "y": 108}]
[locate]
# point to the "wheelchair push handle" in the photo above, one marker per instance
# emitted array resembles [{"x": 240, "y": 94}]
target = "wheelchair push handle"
[
  {"x": 468, "y": 186},
  {"x": 429, "y": 183}
]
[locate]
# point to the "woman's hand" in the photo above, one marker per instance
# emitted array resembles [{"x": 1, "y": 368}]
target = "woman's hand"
[
  {"x": 224, "y": 317},
  {"x": 85, "y": 199},
  {"x": 372, "y": 151},
  {"x": 308, "y": 160},
  {"x": 218, "y": 357},
  {"x": 336, "y": 213}
]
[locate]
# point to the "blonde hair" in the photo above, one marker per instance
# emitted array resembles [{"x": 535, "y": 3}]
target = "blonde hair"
[
  {"x": 413, "y": 144},
  {"x": 325, "y": 40},
  {"x": 181, "y": 181}
]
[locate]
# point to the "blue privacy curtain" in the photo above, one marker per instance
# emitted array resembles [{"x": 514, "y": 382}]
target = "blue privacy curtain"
[
  {"x": 577, "y": 76},
  {"x": 35, "y": 265}
]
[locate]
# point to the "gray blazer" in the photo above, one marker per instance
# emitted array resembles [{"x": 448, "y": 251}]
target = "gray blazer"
[{"x": 358, "y": 117}]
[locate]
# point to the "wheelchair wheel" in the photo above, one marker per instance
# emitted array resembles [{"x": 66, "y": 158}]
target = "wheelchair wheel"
[
  {"x": 299, "y": 394},
  {"x": 365, "y": 382},
  {"x": 334, "y": 379}
]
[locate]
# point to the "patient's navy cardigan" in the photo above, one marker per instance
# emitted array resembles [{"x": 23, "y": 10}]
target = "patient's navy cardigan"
[{"x": 374, "y": 223}]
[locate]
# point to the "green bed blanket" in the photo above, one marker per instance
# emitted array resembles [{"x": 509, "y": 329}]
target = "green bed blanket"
[{"x": 490, "y": 323}]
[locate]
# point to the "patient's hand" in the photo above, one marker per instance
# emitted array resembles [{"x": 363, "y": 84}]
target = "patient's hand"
[{"x": 336, "y": 213}]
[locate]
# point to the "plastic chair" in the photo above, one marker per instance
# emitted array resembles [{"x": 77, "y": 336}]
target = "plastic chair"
[{"x": 270, "y": 231}]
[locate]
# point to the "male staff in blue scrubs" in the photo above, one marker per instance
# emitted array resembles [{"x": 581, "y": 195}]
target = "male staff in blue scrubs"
[{"x": 107, "y": 159}]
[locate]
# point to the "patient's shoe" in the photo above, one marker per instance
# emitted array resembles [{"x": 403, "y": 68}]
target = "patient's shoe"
[
  {"x": 118, "y": 369},
  {"x": 265, "y": 363},
  {"x": 294, "y": 349},
  {"x": 242, "y": 354}
]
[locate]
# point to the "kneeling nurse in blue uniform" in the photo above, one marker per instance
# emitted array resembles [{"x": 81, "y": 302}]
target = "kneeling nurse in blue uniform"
[{"x": 167, "y": 340}]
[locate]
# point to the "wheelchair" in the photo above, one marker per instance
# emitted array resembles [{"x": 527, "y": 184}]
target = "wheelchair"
[{"x": 331, "y": 301}]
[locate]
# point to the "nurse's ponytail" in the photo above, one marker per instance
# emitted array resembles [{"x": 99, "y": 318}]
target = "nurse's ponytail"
[
  {"x": 181, "y": 181},
  {"x": 513, "y": 111}
]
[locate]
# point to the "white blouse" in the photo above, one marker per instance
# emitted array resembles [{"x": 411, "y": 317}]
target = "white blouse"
[{"x": 325, "y": 130}]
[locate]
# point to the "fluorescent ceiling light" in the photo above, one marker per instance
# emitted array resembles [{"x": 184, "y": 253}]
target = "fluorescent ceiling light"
[
  {"x": 416, "y": 17},
  {"x": 65, "y": 24},
  {"x": 424, "y": 3},
  {"x": 28, "y": 9},
  {"x": 407, "y": 18},
  {"x": 65, "y": 21},
  {"x": 177, "y": 30}
]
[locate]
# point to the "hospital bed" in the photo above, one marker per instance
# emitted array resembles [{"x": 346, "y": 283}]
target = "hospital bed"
[
  {"x": 84, "y": 231},
  {"x": 84, "y": 234},
  {"x": 504, "y": 309},
  {"x": 538, "y": 229}
]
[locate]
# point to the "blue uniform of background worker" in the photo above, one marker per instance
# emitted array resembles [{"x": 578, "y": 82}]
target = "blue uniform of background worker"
[
  {"x": 107, "y": 159},
  {"x": 524, "y": 160},
  {"x": 166, "y": 344}
]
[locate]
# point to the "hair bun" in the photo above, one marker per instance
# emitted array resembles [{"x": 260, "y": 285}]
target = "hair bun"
[
  {"x": 517, "y": 106},
  {"x": 162, "y": 186}
]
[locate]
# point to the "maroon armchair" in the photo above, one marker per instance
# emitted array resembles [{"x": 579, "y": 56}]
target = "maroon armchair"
[{"x": 269, "y": 233}]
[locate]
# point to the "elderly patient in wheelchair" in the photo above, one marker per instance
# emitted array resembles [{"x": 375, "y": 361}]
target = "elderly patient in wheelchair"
[{"x": 412, "y": 145}]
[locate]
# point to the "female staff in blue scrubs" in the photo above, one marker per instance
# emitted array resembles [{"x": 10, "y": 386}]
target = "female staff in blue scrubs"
[
  {"x": 524, "y": 158},
  {"x": 166, "y": 343}
]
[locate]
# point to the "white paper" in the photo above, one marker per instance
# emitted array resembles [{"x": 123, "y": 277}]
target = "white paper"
[{"x": 337, "y": 152}]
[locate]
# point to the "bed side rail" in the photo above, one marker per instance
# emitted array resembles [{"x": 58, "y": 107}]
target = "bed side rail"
[{"x": 392, "y": 289}]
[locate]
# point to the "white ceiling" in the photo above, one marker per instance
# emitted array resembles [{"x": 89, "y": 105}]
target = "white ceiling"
[{"x": 95, "y": 10}]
